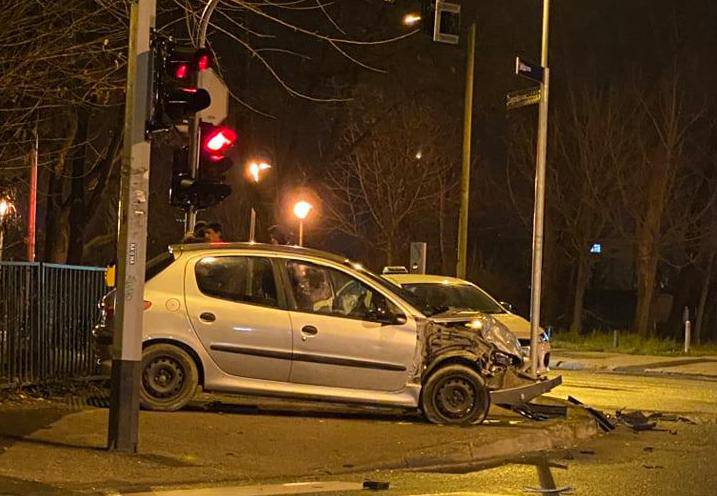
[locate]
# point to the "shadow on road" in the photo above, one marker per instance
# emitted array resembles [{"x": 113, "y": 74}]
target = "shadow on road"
[{"x": 17, "y": 425}]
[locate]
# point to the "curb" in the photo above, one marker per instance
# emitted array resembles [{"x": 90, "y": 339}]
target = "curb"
[{"x": 559, "y": 434}]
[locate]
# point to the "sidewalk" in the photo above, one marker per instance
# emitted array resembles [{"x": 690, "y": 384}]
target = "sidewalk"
[
  {"x": 49, "y": 448},
  {"x": 702, "y": 366}
]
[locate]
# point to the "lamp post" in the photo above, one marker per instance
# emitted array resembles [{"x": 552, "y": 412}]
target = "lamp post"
[
  {"x": 301, "y": 210},
  {"x": 255, "y": 169},
  {"x": 539, "y": 201}
]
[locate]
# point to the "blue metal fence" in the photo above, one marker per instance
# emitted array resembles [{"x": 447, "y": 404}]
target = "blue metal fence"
[{"x": 46, "y": 316}]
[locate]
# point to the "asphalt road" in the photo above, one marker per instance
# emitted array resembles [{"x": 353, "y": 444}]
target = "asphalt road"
[{"x": 679, "y": 458}]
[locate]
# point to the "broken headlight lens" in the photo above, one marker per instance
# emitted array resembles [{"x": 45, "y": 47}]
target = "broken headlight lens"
[{"x": 499, "y": 335}]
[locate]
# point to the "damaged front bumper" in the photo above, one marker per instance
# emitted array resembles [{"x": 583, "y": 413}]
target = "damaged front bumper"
[{"x": 523, "y": 393}]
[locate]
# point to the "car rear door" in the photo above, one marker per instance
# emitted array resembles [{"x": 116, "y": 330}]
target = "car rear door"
[
  {"x": 337, "y": 339},
  {"x": 239, "y": 313}
]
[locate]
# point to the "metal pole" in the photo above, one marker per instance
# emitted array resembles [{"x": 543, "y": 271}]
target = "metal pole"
[
  {"x": 466, "y": 164},
  {"x": 301, "y": 232},
  {"x": 2, "y": 240},
  {"x": 123, "y": 429},
  {"x": 539, "y": 207},
  {"x": 32, "y": 208},
  {"x": 252, "y": 225},
  {"x": 190, "y": 218}
]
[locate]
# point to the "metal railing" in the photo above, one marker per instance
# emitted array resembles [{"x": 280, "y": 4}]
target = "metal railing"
[{"x": 46, "y": 316}]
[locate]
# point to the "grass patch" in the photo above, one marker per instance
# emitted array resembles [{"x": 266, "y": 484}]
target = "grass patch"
[{"x": 628, "y": 342}]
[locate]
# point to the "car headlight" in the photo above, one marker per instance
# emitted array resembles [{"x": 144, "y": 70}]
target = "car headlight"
[{"x": 497, "y": 334}]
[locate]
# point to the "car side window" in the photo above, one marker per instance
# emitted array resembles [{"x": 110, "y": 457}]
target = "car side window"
[
  {"x": 319, "y": 289},
  {"x": 238, "y": 278}
]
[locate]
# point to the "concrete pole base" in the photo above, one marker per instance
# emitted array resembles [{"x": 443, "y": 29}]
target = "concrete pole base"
[{"x": 123, "y": 434}]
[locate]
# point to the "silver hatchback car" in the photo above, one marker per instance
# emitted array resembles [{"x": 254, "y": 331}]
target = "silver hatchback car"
[{"x": 293, "y": 322}]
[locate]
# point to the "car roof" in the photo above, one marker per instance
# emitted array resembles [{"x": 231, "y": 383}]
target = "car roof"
[
  {"x": 259, "y": 248},
  {"x": 424, "y": 279}
]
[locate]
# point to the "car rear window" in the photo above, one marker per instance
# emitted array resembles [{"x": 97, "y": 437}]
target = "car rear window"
[{"x": 238, "y": 278}]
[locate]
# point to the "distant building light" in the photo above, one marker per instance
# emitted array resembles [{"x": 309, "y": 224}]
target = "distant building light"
[{"x": 596, "y": 248}]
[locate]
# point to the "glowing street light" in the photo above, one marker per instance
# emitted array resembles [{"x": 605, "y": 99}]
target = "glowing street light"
[
  {"x": 411, "y": 19},
  {"x": 6, "y": 208},
  {"x": 301, "y": 211},
  {"x": 254, "y": 170}
]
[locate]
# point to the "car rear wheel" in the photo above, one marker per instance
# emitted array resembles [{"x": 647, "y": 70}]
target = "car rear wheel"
[
  {"x": 455, "y": 394},
  {"x": 169, "y": 378}
]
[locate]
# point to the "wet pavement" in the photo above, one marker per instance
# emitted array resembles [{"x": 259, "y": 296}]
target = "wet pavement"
[{"x": 678, "y": 458}]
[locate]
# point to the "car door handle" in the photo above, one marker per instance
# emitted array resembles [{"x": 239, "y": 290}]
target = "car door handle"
[
  {"x": 207, "y": 317},
  {"x": 307, "y": 331}
]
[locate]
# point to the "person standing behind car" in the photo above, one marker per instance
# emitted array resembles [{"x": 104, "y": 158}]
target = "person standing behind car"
[
  {"x": 213, "y": 233},
  {"x": 198, "y": 235}
]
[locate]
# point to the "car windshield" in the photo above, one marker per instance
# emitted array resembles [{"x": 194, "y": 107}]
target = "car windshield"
[
  {"x": 455, "y": 296},
  {"x": 415, "y": 300}
]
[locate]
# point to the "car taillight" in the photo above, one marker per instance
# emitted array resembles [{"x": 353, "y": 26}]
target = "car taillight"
[{"x": 109, "y": 307}]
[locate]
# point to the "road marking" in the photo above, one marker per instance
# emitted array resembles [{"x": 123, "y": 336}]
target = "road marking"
[
  {"x": 462, "y": 493},
  {"x": 261, "y": 490}
]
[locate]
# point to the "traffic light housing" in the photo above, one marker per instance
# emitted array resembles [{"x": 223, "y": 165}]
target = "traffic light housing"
[
  {"x": 208, "y": 188},
  {"x": 176, "y": 97},
  {"x": 441, "y": 20}
]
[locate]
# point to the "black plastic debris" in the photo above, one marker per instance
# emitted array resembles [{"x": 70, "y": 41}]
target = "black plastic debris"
[
  {"x": 535, "y": 411},
  {"x": 375, "y": 485},
  {"x": 637, "y": 420},
  {"x": 603, "y": 421},
  {"x": 671, "y": 418}
]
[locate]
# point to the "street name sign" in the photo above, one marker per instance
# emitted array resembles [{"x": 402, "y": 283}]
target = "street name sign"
[
  {"x": 529, "y": 70},
  {"x": 523, "y": 98}
]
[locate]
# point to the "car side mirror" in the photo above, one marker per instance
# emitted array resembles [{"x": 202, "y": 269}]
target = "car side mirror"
[
  {"x": 384, "y": 317},
  {"x": 506, "y": 305}
]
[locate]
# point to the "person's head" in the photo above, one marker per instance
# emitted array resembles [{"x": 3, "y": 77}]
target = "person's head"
[
  {"x": 213, "y": 232},
  {"x": 277, "y": 235},
  {"x": 199, "y": 232}
]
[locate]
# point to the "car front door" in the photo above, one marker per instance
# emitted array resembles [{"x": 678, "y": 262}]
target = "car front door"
[
  {"x": 240, "y": 315},
  {"x": 346, "y": 333}
]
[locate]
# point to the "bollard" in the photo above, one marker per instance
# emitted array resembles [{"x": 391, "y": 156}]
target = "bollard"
[
  {"x": 688, "y": 335},
  {"x": 615, "y": 339},
  {"x": 688, "y": 328}
]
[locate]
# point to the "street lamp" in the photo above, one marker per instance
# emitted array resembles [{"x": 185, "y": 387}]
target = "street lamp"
[
  {"x": 255, "y": 169},
  {"x": 6, "y": 208},
  {"x": 411, "y": 19},
  {"x": 301, "y": 210}
]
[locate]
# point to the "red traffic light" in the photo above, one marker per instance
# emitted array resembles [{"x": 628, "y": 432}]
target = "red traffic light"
[
  {"x": 181, "y": 71},
  {"x": 217, "y": 140},
  {"x": 204, "y": 62}
]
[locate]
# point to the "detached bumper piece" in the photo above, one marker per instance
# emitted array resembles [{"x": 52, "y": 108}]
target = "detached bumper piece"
[{"x": 521, "y": 395}]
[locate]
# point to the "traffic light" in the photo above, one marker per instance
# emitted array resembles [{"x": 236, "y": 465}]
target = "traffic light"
[
  {"x": 441, "y": 20},
  {"x": 208, "y": 188},
  {"x": 176, "y": 97}
]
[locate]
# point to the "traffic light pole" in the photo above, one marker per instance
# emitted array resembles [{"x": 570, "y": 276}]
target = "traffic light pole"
[
  {"x": 466, "y": 164},
  {"x": 539, "y": 207},
  {"x": 190, "y": 219},
  {"x": 123, "y": 431}
]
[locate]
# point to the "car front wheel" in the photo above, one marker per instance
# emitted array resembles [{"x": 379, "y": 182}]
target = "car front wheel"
[
  {"x": 455, "y": 394},
  {"x": 169, "y": 378}
]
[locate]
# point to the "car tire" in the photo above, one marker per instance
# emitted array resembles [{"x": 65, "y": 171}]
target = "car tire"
[
  {"x": 169, "y": 378},
  {"x": 455, "y": 394}
]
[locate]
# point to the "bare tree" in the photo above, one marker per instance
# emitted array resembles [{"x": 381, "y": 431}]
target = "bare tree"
[
  {"x": 655, "y": 188},
  {"x": 394, "y": 171}
]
